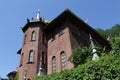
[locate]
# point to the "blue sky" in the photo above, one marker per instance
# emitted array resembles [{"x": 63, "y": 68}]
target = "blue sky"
[{"x": 13, "y": 13}]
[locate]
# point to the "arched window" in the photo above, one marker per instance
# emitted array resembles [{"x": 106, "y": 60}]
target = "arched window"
[
  {"x": 31, "y": 56},
  {"x": 54, "y": 64},
  {"x": 63, "y": 60},
  {"x": 33, "y": 36}
]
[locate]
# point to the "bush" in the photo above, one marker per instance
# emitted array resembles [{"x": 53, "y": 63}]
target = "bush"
[
  {"x": 106, "y": 68},
  {"x": 81, "y": 55}
]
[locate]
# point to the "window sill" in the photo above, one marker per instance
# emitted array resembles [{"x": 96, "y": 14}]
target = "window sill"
[
  {"x": 32, "y": 40},
  {"x": 30, "y": 62}
]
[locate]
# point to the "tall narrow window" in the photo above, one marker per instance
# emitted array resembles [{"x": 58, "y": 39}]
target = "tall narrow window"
[
  {"x": 54, "y": 65},
  {"x": 63, "y": 61},
  {"x": 33, "y": 36},
  {"x": 31, "y": 56}
]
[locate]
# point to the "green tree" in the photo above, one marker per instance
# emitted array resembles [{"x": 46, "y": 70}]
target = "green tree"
[
  {"x": 80, "y": 55},
  {"x": 112, "y": 32}
]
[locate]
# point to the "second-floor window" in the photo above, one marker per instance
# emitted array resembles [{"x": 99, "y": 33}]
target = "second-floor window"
[
  {"x": 33, "y": 36},
  {"x": 31, "y": 56}
]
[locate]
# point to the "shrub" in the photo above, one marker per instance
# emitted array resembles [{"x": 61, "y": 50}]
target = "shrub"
[
  {"x": 81, "y": 55},
  {"x": 106, "y": 68}
]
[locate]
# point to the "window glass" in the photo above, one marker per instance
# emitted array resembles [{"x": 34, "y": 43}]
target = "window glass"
[
  {"x": 63, "y": 61},
  {"x": 31, "y": 56},
  {"x": 33, "y": 35},
  {"x": 54, "y": 65}
]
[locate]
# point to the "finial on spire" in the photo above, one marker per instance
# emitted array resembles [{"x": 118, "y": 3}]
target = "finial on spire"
[
  {"x": 86, "y": 21},
  {"x": 38, "y": 15}
]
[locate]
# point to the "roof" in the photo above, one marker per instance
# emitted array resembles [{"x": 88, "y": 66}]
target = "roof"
[
  {"x": 68, "y": 15},
  {"x": 27, "y": 25}
]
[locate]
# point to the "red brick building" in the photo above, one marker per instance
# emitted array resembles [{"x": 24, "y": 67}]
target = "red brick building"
[{"x": 47, "y": 46}]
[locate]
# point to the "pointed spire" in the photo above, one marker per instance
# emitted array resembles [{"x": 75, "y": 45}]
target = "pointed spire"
[
  {"x": 40, "y": 72},
  {"x": 38, "y": 15},
  {"x": 94, "y": 51},
  {"x": 91, "y": 40}
]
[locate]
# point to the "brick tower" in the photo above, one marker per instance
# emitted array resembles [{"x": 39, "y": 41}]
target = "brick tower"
[{"x": 33, "y": 52}]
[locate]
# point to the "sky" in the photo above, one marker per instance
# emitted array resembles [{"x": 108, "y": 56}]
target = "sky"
[{"x": 13, "y": 14}]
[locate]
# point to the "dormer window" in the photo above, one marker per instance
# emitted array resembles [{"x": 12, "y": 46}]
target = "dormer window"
[{"x": 33, "y": 36}]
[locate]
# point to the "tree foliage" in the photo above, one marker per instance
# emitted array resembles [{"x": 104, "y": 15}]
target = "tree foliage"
[
  {"x": 105, "y": 68},
  {"x": 112, "y": 32},
  {"x": 80, "y": 55}
]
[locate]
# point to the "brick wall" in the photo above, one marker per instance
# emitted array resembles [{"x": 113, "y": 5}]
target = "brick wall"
[
  {"x": 31, "y": 69},
  {"x": 56, "y": 46}
]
